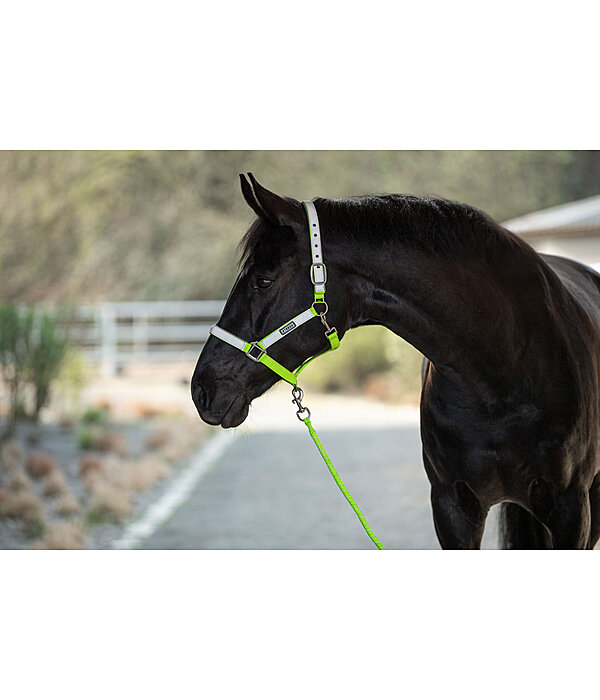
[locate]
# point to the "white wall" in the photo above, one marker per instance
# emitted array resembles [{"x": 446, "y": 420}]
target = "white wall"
[{"x": 585, "y": 249}]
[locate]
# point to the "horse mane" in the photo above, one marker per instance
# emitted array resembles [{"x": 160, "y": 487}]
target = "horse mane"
[{"x": 438, "y": 226}]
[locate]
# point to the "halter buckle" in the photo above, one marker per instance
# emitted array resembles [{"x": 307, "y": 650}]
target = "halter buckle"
[
  {"x": 259, "y": 350},
  {"x": 318, "y": 273}
]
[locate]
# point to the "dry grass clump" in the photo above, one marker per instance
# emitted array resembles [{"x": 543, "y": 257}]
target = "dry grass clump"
[
  {"x": 91, "y": 471},
  {"x": 134, "y": 476},
  {"x": 4, "y": 496},
  {"x": 40, "y": 464},
  {"x": 88, "y": 464},
  {"x": 19, "y": 481},
  {"x": 55, "y": 484},
  {"x": 143, "y": 474},
  {"x": 62, "y": 535},
  {"x": 157, "y": 438},
  {"x": 67, "y": 422},
  {"x": 185, "y": 442},
  {"x": 12, "y": 456},
  {"x": 112, "y": 482},
  {"x": 19, "y": 502},
  {"x": 144, "y": 410},
  {"x": 66, "y": 505},
  {"x": 23, "y": 506},
  {"x": 108, "y": 502},
  {"x": 111, "y": 441},
  {"x": 12, "y": 476},
  {"x": 175, "y": 451},
  {"x": 137, "y": 475}
]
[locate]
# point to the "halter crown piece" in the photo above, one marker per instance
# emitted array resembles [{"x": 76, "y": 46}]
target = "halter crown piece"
[{"x": 257, "y": 350}]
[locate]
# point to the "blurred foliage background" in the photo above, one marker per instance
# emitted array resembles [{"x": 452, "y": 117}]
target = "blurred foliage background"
[
  {"x": 140, "y": 225},
  {"x": 82, "y": 226},
  {"x": 371, "y": 361}
]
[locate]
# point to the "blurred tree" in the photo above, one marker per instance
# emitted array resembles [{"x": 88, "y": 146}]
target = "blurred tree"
[
  {"x": 47, "y": 352},
  {"x": 32, "y": 352},
  {"x": 92, "y": 225}
]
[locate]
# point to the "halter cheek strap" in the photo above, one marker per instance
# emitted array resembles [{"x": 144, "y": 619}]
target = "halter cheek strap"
[
  {"x": 318, "y": 271},
  {"x": 257, "y": 350}
]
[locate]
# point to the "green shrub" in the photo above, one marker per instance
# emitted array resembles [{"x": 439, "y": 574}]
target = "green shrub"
[
  {"x": 32, "y": 350},
  {"x": 15, "y": 337},
  {"x": 363, "y": 354},
  {"x": 47, "y": 352},
  {"x": 86, "y": 438},
  {"x": 94, "y": 415},
  {"x": 75, "y": 372},
  {"x": 35, "y": 529},
  {"x": 96, "y": 517}
]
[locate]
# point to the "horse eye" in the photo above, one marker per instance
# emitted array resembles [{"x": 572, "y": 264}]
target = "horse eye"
[{"x": 263, "y": 282}]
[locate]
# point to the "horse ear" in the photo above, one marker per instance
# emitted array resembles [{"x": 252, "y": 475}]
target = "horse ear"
[
  {"x": 248, "y": 193},
  {"x": 281, "y": 211}
]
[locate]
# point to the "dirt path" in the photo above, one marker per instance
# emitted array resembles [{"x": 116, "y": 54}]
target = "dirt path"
[{"x": 270, "y": 489}]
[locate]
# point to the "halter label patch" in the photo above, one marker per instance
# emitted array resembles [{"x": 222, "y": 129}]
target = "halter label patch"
[{"x": 286, "y": 329}]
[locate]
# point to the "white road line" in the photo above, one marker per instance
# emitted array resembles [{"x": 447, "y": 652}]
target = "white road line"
[{"x": 177, "y": 493}]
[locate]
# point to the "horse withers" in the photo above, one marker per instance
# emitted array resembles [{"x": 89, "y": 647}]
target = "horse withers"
[{"x": 509, "y": 405}]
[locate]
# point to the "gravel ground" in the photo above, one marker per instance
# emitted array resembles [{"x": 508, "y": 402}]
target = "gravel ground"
[
  {"x": 140, "y": 399},
  {"x": 61, "y": 444},
  {"x": 102, "y": 536},
  {"x": 272, "y": 491}
]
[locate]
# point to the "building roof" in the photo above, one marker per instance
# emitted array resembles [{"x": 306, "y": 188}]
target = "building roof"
[{"x": 580, "y": 218}]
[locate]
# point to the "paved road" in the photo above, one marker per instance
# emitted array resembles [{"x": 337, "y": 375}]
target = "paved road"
[{"x": 271, "y": 490}]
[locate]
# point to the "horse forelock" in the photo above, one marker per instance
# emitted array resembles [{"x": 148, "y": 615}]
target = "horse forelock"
[{"x": 265, "y": 246}]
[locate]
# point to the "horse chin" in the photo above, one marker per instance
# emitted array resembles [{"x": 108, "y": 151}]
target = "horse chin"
[{"x": 236, "y": 414}]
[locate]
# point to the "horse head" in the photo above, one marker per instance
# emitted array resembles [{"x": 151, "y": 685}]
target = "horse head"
[{"x": 272, "y": 287}]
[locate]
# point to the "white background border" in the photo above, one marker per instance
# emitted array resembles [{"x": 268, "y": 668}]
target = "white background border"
[
  {"x": 309, "y": 75},
  {"x": 232, "y": 75}
]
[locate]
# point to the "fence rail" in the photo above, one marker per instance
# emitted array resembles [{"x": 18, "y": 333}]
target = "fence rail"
[{"x": 121, "y": 333}]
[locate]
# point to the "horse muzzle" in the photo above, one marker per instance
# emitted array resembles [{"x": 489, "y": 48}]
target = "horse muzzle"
[{"x": 220, "y": 408}]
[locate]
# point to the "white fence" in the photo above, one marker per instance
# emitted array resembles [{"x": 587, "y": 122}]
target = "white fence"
[
  {"x": 118, "y": 334},
  {"x": 122, "y": 333}
]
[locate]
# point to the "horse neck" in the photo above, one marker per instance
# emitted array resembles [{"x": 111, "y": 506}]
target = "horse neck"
[{"x": 481, "y": 320}]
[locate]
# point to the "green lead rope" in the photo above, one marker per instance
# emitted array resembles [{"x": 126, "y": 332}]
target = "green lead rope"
[{"x": 340, "y": 484}]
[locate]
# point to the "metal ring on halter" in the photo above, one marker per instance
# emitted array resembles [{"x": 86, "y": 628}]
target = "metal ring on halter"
[{"x": 321, "y": 313}]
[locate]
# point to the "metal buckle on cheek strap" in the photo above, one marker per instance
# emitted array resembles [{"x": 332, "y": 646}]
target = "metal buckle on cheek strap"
[
  {"x": 255, "y": 346},
  {"x": 318, "y": 273}
]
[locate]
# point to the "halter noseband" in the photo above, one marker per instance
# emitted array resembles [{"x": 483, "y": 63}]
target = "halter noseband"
[{"x": 257, "y": 350}]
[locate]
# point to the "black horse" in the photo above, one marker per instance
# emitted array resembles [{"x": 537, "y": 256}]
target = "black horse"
[{"x": 509, "y": 406}]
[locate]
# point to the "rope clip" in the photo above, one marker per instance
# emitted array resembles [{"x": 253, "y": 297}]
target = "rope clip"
[{"x": 297, "y": 395}]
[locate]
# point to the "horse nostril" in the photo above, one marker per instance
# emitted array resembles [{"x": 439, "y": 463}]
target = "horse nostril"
[{"x": 200, "y": 398}]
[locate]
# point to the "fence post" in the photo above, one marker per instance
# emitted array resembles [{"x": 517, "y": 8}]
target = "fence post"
[
  {"x": 109, "y": 340},
  {"x": 140, "y": 336}
]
